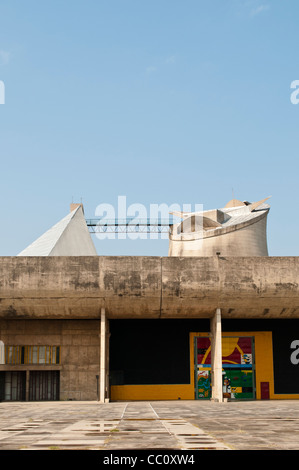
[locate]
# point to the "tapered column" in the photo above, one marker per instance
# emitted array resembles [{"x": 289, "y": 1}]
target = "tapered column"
[
  {"x": 216, "y": 356},
  {"x": 2, "y": 353},
  {"x": 103, "y": 356}
]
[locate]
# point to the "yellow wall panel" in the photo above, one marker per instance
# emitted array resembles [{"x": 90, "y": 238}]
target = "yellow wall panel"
[{"x": 151, "y": 392}]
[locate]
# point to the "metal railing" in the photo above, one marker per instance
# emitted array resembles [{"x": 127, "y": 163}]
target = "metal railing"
[{"x": 129, "y": 225}]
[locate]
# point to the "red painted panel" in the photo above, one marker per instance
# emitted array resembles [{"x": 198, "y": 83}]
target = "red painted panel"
[{"x": 265, "y": 391}]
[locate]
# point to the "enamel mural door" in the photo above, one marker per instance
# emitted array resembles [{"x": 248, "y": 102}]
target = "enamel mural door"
[
  {"x": 202, "y": 355},
  {"x": 237, "y": 367}
]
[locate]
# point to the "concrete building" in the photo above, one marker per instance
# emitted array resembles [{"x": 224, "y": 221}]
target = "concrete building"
[
  {"x": 78, "y": 326},
  {"x": 239, "y": 229}
]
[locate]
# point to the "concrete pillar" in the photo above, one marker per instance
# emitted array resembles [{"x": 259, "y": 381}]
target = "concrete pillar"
[
  {"x": 216, "y": 356},
  {"x": 103, "y": 356},
  {"x": 2, "y": 353}
]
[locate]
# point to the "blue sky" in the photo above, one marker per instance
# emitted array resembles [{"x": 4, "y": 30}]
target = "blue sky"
[{"x": 163, "y": 101}]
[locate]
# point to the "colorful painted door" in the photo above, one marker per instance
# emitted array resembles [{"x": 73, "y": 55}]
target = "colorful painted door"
[
  {"x": 203, "y": 368},
  {"x": 237, "y": 367}
]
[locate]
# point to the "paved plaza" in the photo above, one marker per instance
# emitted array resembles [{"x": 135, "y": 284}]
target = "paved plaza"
[{"x": 189, "y": 425}]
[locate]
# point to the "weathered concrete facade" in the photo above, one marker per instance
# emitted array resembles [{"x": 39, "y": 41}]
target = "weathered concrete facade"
[
  {"x": 148, "y": 287},
  {"x": 67, "y": 302},
  {"x": 79, "y": 344}
]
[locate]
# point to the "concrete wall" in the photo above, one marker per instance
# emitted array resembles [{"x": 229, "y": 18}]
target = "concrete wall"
[
  {"x": 148, "y": 287},
  {"x": 79, "y": 343}
]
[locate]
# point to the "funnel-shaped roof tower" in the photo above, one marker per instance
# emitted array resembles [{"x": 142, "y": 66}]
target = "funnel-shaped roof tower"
[{"x": 238, "y": 229}]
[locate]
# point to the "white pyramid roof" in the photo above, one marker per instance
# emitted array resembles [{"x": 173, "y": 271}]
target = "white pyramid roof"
[{"x": 69, "y": 237}]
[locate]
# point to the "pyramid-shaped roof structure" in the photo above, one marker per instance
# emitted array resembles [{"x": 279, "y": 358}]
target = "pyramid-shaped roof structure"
[{"x": 69, "y": 237}]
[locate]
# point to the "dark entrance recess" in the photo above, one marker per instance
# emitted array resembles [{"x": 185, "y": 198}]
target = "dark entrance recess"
[
  {"x": 12, "y": 386},
  {"x": 157, "y": 351},
  {"x": 44, "y": 385},
  {"x": 146, "y": 352}
]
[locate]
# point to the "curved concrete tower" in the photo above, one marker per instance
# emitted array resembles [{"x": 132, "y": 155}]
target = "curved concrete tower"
[{"x": 239, "y": 229}]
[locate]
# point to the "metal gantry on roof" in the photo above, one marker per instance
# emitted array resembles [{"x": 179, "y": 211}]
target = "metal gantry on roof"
[{"x": 129, "y": 225}]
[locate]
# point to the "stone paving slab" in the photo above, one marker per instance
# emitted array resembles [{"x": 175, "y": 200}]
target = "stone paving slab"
[{"x": 183, "y": 425}]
